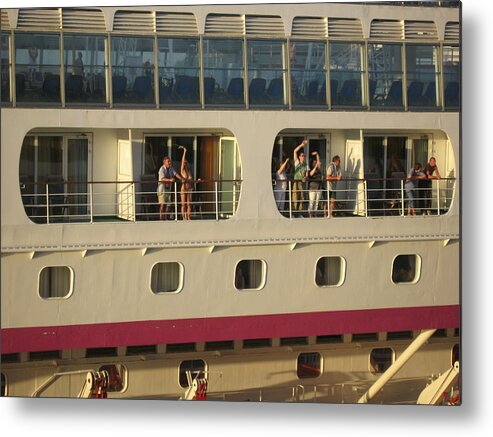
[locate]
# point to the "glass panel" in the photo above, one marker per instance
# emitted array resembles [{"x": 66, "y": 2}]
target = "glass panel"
[
  {"x": 404, "y": 269},
  {"x": 132, "y": 63},
  {"x": 26, "y": 176},
  {"x": 4, "y": 67},
  {"x": 308, "y": 73},
  {"x": 37, "y": 58},
  {"x": 166, "y": 277},
  {"x": 55, "y": 282},
  {"x": 176, "y": 154},
  {"x": 85, "y": 69},
  {"x": 309, "y": 365},
  {"x": 329, "y": 271},
  {"x": 346, "y": 74},
  {"x": 50, "y": 157},
  {"x": 223, "y": 71},
  {"x": 385, "y": 75},
  {"x": 249, "y": 274},
  {"x": 373, "y": 158},
  {"x": 178, "y": 71},
  {"x": 77, "y": 174},
  {"x": 266, "y": 73},
  {"x": 451, "y": 77},
  {"x": 156, "y": 148},
  {"x": 422, "y": 75},
  {"x": 381, "y": 359}
]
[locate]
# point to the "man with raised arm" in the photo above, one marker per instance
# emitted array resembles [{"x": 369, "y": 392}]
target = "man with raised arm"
[
  {"x": 300, "y": 174},
  {"x": 333, "y": 175}
]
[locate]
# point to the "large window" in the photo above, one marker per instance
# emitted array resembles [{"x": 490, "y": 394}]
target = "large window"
[
  {"x": 166, "y": 277},
  {"x": 266, "y": 73},
  {"x": 56, "y": 282},
  {"x": 330, "y": 271},
  {"x": 385, "y": 75},
  {"x": 308, "y": 73},
  {"x": 5, "y": 67},
  {"x": 178, "y": 63},
  {"x": 223, "y": 71},
  {"x": 451, "y": 77},
  {"x": 406, "y": 269},
  {"x": 189, "y": 370},
  {"x": 422, "y": 75},
  {"x": 132, "y": 63},
  {"x": 346, "y": 75},
  {"x": 85, "y": 68},
  {"x": 250, "y": 274},
  {"x": 37, "y": 63}
]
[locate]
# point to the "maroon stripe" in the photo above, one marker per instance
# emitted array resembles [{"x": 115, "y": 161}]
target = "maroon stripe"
[{"x": 228, "y": 328}]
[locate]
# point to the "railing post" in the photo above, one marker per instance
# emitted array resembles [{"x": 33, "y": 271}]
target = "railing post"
[
  {"x": 438, "y": 196},
  {"x": 133, "y": 203},
  {"x": 329, "y": 212},
  {"x": 176, "y": 201},
  {"x": 365, "y": 189},
  {"x": 402, "y": 198},
  {"x": 91, "y": 203},
  {"x": 216, "y": 200},
  {"x": 47, "y": 205},
  {"x": 289, "y": 197}
]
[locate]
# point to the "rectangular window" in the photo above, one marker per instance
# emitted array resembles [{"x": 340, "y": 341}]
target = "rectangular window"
[
  {"x": 166, "y": 277},
  {"x": 85, "y": 68},
  {"x": 451, "y": 77},
  {"x": 189, "y": 370},
  {"x": 132, "y": 65},
  {"x": 5, "y": 66},
  {"x": 178, "y": 68},
  {"x": 266, "y": 73},
  {"x": 250, "y": 274},
  {"x": 381, "y": 359},
  {"x": 309, "y": 365},
  {"x": 256, "y": 343},
  {"x": 330, "y": 271},
  {"x": 55, "y": 282},
  {"x": 385, "y": 75},
  {"x": 37, "y": 65},
  {"x": 223, "y": 72},
  {"x": 406, "y": 269},
  {"x": 422, "y": 76},
  {"x": 155, "y": 149},
  {"x": 346, "y": 74},
  {"x": 308, "y": 73}
]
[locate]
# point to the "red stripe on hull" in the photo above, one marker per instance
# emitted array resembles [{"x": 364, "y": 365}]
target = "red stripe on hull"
[{"x": 228, "y": 328}]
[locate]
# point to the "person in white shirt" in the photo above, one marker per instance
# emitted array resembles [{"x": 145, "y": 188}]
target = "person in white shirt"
[{"x": 165, "y": 187}]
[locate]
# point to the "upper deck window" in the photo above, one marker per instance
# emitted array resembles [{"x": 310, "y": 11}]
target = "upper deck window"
[
  {"x": 132, "y": 65},
  {"x": 422, "y": 75},
  {"x": 223, "y": 72},
  {"x": 385, "y": 75},
  {"x": 179, "y": 68},
  {"x": 85, "y": 69},
  {"x": 266, "y": 73},
  {"x": 37, "y": 63},
  {"x": 451, "y": 77},
  {"x": 308, "y": 73},
  {"x": 5, "y": 66}
]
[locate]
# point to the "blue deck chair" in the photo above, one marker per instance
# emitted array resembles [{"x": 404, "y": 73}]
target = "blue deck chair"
[
  {"x": 256, "y": 90},
  {"x": 415, "y": 94},
  {"x": 235, "y": 89},
  {"x": 394, "y": 96},
  {"x": 143, "y": 87},
  {"x": 119, "y": 85}
]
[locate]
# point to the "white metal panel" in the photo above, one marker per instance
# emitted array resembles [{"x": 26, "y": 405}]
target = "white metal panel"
[
  {"x": 420, "y": 30},
  {"x": 387, "y": 29},
  {"x": 176, "y": 23},
  {"x": 134, "y": 21},
  {"x": 83, "y": 19},
  {"x": 345, "y": 28},
  {"x": 264, "y": 25},
  {"x": 312, "y": 27},
  {"x": 222, "y": 23},
  {"x": 47, "y": 19}
]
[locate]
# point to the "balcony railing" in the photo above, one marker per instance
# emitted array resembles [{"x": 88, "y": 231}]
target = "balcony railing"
[
  {"x": 363, "y": 198},
  {"x": 128, "y": 201}
]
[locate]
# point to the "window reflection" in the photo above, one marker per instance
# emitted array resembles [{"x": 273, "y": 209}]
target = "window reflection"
[
  {"x": 422, "y": 75},
  {"x": 37, "y": 58},
  {"x": 85, "y": 69},
  {"x": 451, "y": 76},
  {"x": 385, "y": 75},
  {"x": 132, "y": 69},
  {"x": 266, "y": 73},
  {"x": 4, "y": 67},
  {"x": 178, "y": 71},
  {"x": 223, "y": 71},
  {"x": 308, "y": 73},
  {"x": 346, "y": 75}
]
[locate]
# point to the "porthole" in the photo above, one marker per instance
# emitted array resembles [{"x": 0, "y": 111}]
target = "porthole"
[
  {"x": 381, "y": 359},
  {"x": 309, "y": 365},
  {"x": 189, "y": 370},
  {"x": 56, "y": 282},
  {"x": 167, "y": 277},
  {"x": 250, "y": 274},
  {"x": 330, "y": 271},
  {"x": 455, "y": 354},
  {"x": 406, "y": 269}
]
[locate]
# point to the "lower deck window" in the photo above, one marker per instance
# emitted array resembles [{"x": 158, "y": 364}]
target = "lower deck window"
[
  {"x": 250, "y": 274},
  {"x": 166, "y": 277},
  {"x": 330, "y": 271},
  {"x": 55, "y": 282},
  {"x": 309, "y": 365},
  {"x": 192, "y": 369},
  {"x": 381, "y": 359},
  {"x": 406, "y": 269},
  {"x": 117, "y": 375}
]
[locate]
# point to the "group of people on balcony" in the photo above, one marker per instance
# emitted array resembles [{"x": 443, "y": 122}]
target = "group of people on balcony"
[{"x": 418, "y": 187}]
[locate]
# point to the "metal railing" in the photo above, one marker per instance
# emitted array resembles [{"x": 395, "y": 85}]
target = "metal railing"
[
  {"x": 99, "y": 201},
  {"x": 362, "y": 198}
]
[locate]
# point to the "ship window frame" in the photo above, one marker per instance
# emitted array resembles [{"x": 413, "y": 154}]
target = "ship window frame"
[
  {"x": 5, "y": 385},
  {"x": 124, "y": 373},
  {"x": 180, "y": 371},
  {"x": 71, "y": 287},
  {"x": 455, "y": 351},
  {"x": 342, "y": 276},
  {"x": 320, "y": 365},
  {"x": 371, "y": 368},
  {"x": 263, "y": 279},
  {"x": 417, "y": 269},
  {"x": 181, "y": 279}
]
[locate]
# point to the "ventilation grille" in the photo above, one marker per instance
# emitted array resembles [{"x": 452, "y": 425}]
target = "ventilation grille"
[
  {"x": 315, "y": 27},
  {"x": 264, "y": 25},
  {"x": 5, "y": 24},
  {"x": 133, "y": 21},
  {"x": 83, "y": 19},
  {"x": 176, "y": 24},
  {"x": 220, "y": 24},
  {"x": 345, "y": 28},
  {"x": 386, "y": 29},
  {"x": 47, "y": 19},
  {"x": 420, "y": 30},
  {"x": 452, "y": 32}
]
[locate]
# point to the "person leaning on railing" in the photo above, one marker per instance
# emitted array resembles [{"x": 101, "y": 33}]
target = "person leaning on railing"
[
  {"x": 300, "y": 174},
  {"x": 431, "y": 172},
  {"x": 167, "y": 177},
  {"x": 333, "y": 175}
]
